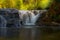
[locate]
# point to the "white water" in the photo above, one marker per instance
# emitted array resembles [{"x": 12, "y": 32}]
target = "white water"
[
  {"x": 28, "y": 17},
  {"x": 2, "y": 26}
]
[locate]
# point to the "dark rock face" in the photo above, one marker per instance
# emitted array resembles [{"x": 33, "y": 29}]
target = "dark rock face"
[
  {"x": 50, "y": 19},
  {"x": 42, "y": 20},
  {"x": 11, "y": 16}
]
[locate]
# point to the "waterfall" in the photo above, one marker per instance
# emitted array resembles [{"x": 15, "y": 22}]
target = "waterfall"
[
  {"x": 3, "y": 23},
  {"x": 28, "y": 17}
]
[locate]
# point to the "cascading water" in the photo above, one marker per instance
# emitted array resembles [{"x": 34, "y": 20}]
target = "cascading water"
[
  {"x": 29, "y": 17},
  {"x": 3, "y": 23}
]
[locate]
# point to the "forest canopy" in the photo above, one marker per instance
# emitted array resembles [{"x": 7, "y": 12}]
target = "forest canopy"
[{"x": 25, "y": 4}]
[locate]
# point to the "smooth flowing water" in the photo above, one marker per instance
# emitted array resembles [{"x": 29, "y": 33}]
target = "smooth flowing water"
[
  {"x": 3, "y": 23},
  {"x": 29, "y": 17},
  {"x": 34, "y": 33}
]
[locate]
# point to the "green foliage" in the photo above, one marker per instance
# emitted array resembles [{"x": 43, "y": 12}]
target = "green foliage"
[{"x": 25, "y": 4}]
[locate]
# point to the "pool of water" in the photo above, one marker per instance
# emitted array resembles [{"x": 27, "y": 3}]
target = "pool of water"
[{"x": 30, "y": 33}]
